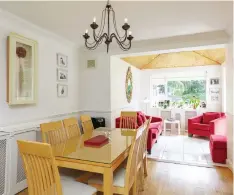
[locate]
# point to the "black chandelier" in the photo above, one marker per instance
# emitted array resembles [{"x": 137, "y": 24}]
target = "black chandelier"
[{"x": 108, "y": 36}]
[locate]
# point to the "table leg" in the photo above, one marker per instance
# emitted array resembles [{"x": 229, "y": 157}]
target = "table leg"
[
  {"x": 108, "y": 181},
  {"x": 164, "y": 127},
  {"x": 179, "y": 128}
]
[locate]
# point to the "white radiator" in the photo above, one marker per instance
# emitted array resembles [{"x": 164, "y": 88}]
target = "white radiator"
[{"x": 4, "y": 162}]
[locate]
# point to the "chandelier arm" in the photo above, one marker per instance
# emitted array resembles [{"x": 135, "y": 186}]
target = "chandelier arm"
[
  {"x": 103, "y": 22},
  {"x": 98, "y": 42},
  {"x": 122, "y": 45},
  {"x": 116, "y": 30},
  {"x": 113, "y": 35}
]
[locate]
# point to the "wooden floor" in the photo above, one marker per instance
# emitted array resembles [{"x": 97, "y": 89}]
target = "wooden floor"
[{"x": 174, "y": 179}]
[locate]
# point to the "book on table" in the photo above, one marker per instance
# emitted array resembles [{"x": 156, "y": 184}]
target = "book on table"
[{"x": 97, "y": 141}]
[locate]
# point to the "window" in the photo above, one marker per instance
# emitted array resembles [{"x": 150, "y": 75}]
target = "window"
[
  {"x": 179, "y": 91},
  {"x": 185, "y": 90}
]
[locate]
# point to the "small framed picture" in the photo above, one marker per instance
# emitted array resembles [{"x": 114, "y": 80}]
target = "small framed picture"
[
  {"x": 62, "y": 90},
  {"x": 203, "y": 104},
  {"x": 62, "y": 75},
  {"x": 62, "y": 60},
  {"x": 214, "y": 81}
]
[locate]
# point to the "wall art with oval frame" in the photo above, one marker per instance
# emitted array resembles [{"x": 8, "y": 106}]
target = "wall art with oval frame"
[
  {"x": 22, "y": 63},
  {"x": 129, "y": 85}
]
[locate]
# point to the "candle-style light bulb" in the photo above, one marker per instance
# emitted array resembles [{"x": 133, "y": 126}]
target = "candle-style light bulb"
[
  {"x": 126, "y": 20},
  {"x": 86, "y": 31},
  {"x": 130, "y": 33},
  {"x": 94, "y": 19}
]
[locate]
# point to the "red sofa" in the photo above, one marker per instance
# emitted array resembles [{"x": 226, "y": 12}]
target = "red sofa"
[
  {"x": 155, "y": 128},
  {"x": 207, "y": 124}
]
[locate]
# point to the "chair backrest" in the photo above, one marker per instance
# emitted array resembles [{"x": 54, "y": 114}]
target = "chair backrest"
[
  {"x": 40, "y": 168},
  {"x": 53, "y": 132},
  {"x": 128, "y": 120},
  {"x": 86, "y": 123},
  {"x": 72, "y": 127},
  {"x": 131, "y": 169},
  {"x": 143, "y": 144}
]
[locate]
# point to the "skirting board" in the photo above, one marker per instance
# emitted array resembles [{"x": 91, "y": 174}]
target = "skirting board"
[{"x": 230, "y": 164}]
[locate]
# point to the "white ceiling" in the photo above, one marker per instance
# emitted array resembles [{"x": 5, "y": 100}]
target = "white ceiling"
[{"x": 148, "y": 20}]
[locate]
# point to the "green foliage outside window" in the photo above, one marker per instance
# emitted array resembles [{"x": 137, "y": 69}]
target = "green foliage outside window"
[{"x": 186, "y": 91}]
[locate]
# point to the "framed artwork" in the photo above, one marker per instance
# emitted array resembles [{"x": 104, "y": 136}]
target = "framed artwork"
[
  {"x": 62, "y": 60},
  {"x": 21, "y": 70},
  {"x": 215, "y": 94},
  {"x": 62, "y": 90},
  {"x": 128, "y": 85},
  {"x": 62, "y": 75},
  {"x": 214, "y": 81},
  {"x": 203, "y": 104}
]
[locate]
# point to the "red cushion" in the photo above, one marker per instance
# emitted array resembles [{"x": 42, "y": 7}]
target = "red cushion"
[
  {"x": 201, "y": 127},
  {"x": 218, "y": 141},
  {"x": 142, "y": 116},
  {"x": 210, "y": 116},
  {"x": 139, "y": 120}
]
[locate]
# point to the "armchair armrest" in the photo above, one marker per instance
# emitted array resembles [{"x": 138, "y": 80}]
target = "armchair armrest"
[
  {"x": 154, "y": 119},
  {"x": 117, "y": 122},
  {"x": 219, "y": 126},
  {"x": 196, "y": 119}
]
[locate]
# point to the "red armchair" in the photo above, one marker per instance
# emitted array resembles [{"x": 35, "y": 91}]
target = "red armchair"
[
  {"x": 207, "y": 124},
  {"x": 155, "y": 128}
]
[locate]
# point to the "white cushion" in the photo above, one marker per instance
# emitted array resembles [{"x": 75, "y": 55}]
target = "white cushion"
[
  {"x": 72, "y": 187},
  {"x": 119, "y": 178}
]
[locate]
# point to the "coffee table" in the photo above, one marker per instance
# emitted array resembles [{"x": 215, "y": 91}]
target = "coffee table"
[{"x": 171, "y": 122}]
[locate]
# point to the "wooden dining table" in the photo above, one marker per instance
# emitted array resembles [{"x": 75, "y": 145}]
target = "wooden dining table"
[{"x": 73, "y": 154}]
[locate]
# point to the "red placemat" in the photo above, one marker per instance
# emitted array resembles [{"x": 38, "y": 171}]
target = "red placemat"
[{"x": 97, "y": 141}]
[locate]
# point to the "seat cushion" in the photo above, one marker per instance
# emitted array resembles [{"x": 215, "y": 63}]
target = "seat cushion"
[
  {"x": 201, "y": 127},
  {"x": 154, "y": 125},
  {"x": 119, "y": 178},
  {"x": 218, "y": 141},
  {"x": 210, "y": 116},
  {"x": 73, "y": 187}
]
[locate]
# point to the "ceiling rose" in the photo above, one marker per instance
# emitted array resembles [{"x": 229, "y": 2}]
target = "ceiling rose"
[{"x": 124, "y": 41}]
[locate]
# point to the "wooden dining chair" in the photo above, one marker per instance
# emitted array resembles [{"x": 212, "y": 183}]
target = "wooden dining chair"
[
  {"x": 124, "y": 179},
  {"x": 142, "y": 157},
  {"x": 71, "y": 127},
  {"x": 86, "y": 123},
  {"x": 128, "y": 120},
  {"x": 42, "y": 172},
  {"x": 53, "y": 132}
]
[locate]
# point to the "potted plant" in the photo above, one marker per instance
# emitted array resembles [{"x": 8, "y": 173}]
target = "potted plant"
[{"x": 195, "y": 102}]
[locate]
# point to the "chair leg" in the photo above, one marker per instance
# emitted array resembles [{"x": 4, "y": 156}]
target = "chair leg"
[
  {"x": 190, "y": 135},
  {"x": 145, "y": 166},
  {"x": 134, "y": 187},
  {"x": 141, "y": 179},
  {"x": 149, "y": 151}
]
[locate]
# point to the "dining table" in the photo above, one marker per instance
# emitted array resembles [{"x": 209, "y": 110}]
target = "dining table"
[{"x": 74, "y": 154}]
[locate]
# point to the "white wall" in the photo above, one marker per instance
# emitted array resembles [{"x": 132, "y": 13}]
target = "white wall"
[
  {"x": 48, "y": 45},
  {"x": 229, "y": 67},
  {"x": 95, "y": 84},
  {"x": 207, "y": 71},
  {"x": 118, "y": 70}
]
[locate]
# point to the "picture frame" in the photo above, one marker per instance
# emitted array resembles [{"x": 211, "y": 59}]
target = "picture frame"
[
  {"x": 62, "y": 60},
  {"x": 214, "y": 94},
  {"x": 22, "y": 70},
  {"x": 62, "y": 75},
  {"x": 214, "y": 81},
  {"x": 62, "y": 90}
]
